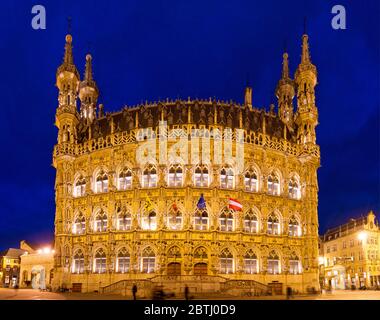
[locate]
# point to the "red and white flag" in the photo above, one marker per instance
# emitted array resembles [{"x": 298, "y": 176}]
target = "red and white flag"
[{"x": 234, "y": 204}]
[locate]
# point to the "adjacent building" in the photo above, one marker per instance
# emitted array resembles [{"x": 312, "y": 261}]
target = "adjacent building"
[{"x": 350, "y": 254}]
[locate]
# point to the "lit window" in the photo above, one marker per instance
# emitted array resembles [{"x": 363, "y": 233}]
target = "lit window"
[
  {"x": 78, "y": 262},
  {"x": 148, "y": 260},
  {"x": 201, "y": 177},
  {"x": 273, "y": 185},
  {"x": 123, "y": 261},
  {"x": 273, "y": 263},
  {"x": 125, "y": 179},
  {"x": 80, "y": 187},
  {"x": 226, "y": 220},
  {"x": 101, "y": 182},
  {"x": 100, "y": 222},
  {"x": 294, "y": 228},
  {"x": 250, "y": 181},
  {"x": 226, "y": 262},
  {"x": 227, "y": 178},
  {"x": 250, "y": 262},
  {"x": 250, "y": 222},
  {"x": 149, "y": 177},
  {"x": 100, "y": 262},
  {"x": 79, "y": 226},
  {"x": 174, "y": 219},
  {"x": 273, "y": 225},
  {"x": 124, "y": 220},
  {"x": 294, "y": 264},
  {"x": 175, "y": 176},
  {"x": 200, "y": 220},
  {"x": 149, "y": 221},
  {"x": 294, "y": 189}
]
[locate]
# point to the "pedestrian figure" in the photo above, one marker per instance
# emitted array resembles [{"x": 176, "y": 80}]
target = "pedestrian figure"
[
  {"x": 288, "y": 293},
  {"x": 134, "y": 291},
  {"x": 186, "y": 292}
]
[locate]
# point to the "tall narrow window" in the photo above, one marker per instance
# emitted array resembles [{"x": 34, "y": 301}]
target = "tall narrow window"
[
  {"x": 101, "y": 182},
  {"x": 124, "y": 220},
  {"x": 201, "y": 220},
  {"x": 294, "y": 264},
  {"x": 226, "y": 220},
  {"x": 175, "y": 176},
  {"x": 100, "y": 261},
  {"x": 251, "y": 181},
  {"x": 79, "y": 226},
  {"x": 149, "y": 221},
  {"x": 294, "y": 189},
  {"x": 125, "y": 179},
  {"x": 250, "y": 222},
  {"x": 148, "y": 261},
  {"x": 273, "y": 263},
  {"x": 174, "y": 253},
  {"x": 294, "y": 228},
  {"x": 80, "y": 187},
  {"x": 250, "y": 262},
  {"x": 100, "y": 222},
  {"x": 273, "y": 185},
  {"x": 226, "y": 262},
  {"x": 149, "y": 177},
  {"x": 123, "y": 261},
  {"x": 78, "y": 262},
  {"x": 273, "y": 225},
  {"x": 227, "y": 178},
  {"x": 174, "y": 218},
  {"x": 201, "y": 176}
]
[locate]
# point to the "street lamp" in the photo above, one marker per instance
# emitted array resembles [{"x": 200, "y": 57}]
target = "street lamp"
[{"x": 362, "y": 236}]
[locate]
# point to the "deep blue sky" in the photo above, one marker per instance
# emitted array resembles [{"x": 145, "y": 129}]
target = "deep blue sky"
[{"x": 146, "y": 50}]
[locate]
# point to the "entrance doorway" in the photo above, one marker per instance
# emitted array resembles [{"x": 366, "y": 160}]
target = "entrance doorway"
[
  {"x": 200, "y": 269},
  {"x": 174, "y": 269}
]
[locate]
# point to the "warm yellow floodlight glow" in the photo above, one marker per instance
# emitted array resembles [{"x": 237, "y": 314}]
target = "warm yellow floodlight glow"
[{"x": 362, "y": 236}]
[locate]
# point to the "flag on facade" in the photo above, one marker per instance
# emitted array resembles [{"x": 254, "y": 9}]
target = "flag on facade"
[
  {"x": 234, "y": 204},
  {"x": 201, "y": 202},
  {"x": 148, "y": 205}
]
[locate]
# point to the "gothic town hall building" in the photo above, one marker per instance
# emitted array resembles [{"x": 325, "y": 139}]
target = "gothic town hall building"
[{"x": 120, "y": 222}]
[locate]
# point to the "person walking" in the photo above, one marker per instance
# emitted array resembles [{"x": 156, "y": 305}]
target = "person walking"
[{"x": 134, "y": 291}]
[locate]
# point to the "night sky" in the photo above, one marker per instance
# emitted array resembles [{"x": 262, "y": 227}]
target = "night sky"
[{"x": 150, "y": 50}]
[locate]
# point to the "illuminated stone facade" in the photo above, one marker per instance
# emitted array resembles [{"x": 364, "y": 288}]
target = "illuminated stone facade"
[{"x": 117, "y": 219}]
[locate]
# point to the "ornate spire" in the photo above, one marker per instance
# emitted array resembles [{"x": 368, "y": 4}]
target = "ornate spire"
[
  {"x": 305, "y": 58},
  {"x": 285, "y": 66},
  {"x": 88, "y": 80},
  {"x": 68, "y": 58}
]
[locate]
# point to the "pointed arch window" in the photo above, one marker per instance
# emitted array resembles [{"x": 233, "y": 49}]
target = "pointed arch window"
[
  {"x": 100, "y": 261},
  {"x": 149, "y": 177},
  {"x": 125, "y": 179},
  {"x": 226, "y": 220},
  {"x": 78, "y": 262},
  {"x": 294, "y": 264},
  {"x": 201, "y": 176},
  {"x": 174, "y": 221},
  {"x": 101, "y": 182},
  {"x": 251, "y": 224},
  {"x": 273, "y": 263},
  {"x": 250, "y": 262},
  {"x": 124, "y": 220},
  {"x": 80, "y": 187},
  {"x": 227, "y": 178},
  {"x": 100, "y": 222},
  {"x": 294, "y": 227},
  {"x": 294, "y": 189},
  {"x": 149, "y": 221},
  {"x": 250, "y": 181},
  {"x": 200, "y": 253},
  {"x": 123, "y": 261},
  {"x": 273, "y": 224},
  {"x": 273, "y": 184},
  {"x": 174, "y": 253},
  {"x": 226, "y": 262},
  {"x": 147, "y": 260},
  {"x": 201, "y": 219},
  {"x": 175, "y": 176},
  {"x": 79, "y": 226}
]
